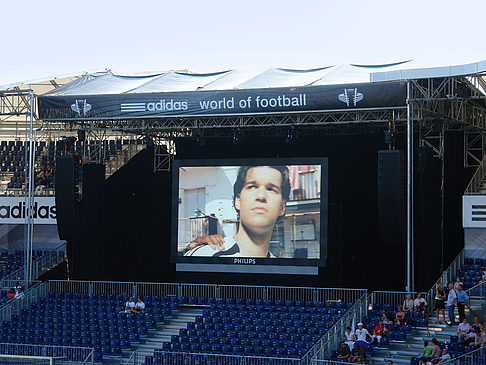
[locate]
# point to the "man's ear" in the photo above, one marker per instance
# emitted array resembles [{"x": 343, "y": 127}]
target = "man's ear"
[
  {"x": 237, "y": 202},
  {"x": 283, "y": 205}
]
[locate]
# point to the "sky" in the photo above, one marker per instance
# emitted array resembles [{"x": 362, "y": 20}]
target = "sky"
[{"x": 55, "y": 37}]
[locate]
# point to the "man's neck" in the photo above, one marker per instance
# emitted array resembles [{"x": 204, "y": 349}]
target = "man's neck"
[{"x": 252, "y": 245}]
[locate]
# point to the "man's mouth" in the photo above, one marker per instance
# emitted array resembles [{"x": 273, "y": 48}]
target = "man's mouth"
[{"x": 259, "y": 209}]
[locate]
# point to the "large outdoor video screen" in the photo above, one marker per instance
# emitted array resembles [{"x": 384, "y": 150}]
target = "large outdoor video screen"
[{"x": 250, "y": 215}]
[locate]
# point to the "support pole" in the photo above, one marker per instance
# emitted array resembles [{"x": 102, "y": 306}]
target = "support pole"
[{"x": 410, "y": 251}]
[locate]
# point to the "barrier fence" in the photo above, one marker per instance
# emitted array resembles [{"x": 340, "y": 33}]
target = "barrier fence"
[
  {"x": 75, "y": 355},
  {"x": 329, "y": 342},
  {"x": 207, "y": 290},
  {"x": 395, "y": 298},
  {"x": 180, "y": 358},
  {"x": 475, "y": 357}
]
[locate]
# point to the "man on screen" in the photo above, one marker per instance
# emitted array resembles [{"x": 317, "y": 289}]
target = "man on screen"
[{"x": 260, "y": 196}]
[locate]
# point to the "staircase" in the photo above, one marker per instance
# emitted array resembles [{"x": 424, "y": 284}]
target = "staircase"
[
  {"x": 402, "y": 352},
  {"x": 121, "y": 158},
  {"x": 163, "y": 333}
]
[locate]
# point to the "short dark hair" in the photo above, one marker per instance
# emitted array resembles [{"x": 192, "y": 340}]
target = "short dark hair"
[{"x": 241, "y": 179}]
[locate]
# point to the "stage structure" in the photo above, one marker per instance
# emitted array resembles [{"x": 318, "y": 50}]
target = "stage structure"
[{"x": 350, "y": 99}]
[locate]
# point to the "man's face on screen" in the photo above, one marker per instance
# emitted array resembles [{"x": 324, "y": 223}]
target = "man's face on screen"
[{"x": 260, "y": 201}]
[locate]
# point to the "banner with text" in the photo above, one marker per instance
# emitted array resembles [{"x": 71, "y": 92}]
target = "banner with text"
[
  {"x": 13, "y": 211},
  {"x": 217, "y": 103}
]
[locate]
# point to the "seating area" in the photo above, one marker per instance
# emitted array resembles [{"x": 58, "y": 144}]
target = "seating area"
[
  {"x": 11, "y": 262},
  {"x": 472, "y": 272},
  {"x": 85, "y": 320}
]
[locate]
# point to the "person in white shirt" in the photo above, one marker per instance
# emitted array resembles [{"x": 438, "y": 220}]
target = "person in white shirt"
[
  {"x": 362, "y": 334},
  {"x": 451, "y": 302},
  {"x": 445, "y": 356},
  {"x": 420, "y": 304},
  {"x": 19, "y": 294},
  {"x": 350, "y": 337},
  {"x": 129, "y": 305},
  {"x": 139, "y": 306}
]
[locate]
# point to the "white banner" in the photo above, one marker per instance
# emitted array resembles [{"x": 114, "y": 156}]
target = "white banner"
[
  {"x": 12, "y": 210},
  {"x": 474, "y": 211}
]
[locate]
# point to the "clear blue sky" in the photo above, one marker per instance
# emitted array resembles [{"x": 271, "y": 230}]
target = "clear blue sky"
[{"x": 52, "y": 37}]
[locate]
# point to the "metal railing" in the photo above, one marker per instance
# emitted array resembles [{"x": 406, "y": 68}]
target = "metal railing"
[
  {"x": 395, "y": 298},
  {"x": 122, "y": 157},
  {"x": 448, "y": 276},
  {"x": 14, "y": 306},
  {"x": 183, "y": 358},
  {"x": 475, "y": 184},
  {"x": 207, "y": 290},
  {"x": 329, "y": 342},
  {"x": 39, "y": 266},
  {"x": 73, "y": 354},
  {"x": 475, "y": 357}
]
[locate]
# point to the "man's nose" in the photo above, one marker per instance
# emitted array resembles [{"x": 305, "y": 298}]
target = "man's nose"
[{"x": 261, "y": 194}]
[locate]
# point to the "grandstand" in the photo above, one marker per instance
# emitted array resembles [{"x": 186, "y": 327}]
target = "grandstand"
[{"x": 149, "y": 172}]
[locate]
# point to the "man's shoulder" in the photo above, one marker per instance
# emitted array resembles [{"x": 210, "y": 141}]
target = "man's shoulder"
[{"x": 207, "y": 251}]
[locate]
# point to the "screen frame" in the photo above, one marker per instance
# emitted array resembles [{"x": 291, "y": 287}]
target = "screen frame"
[{"x": 231, "y": 261}]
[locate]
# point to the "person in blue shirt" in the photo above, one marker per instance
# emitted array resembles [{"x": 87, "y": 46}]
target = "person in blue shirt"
[{"x": 462, "y": 298}]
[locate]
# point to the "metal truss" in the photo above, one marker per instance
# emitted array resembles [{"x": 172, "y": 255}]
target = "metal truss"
[
  {"x": 14, "y": 103},
  {"x": 164, "y": 152}
]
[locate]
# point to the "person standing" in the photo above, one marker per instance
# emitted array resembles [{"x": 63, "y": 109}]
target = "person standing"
[
  {"x": 461, "y": 303},
  {"x": 451, "y": 302},
  {"x": 439, "y": 302}
]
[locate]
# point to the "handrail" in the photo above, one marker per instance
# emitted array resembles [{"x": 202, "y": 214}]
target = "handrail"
[
  {"x": 446, "y": 277},
  {"x": 475, "y": 356},
  {"x": 14, "y": 306},
  {"x": 38, "y": 266},
  {"x": 336, "y": 333},
  {"x": 475, "y": 183}
]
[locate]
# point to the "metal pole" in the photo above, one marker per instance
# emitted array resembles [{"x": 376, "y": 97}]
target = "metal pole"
[
  {"x": 31, "y": 190},
  {"x": 410, "y": 267}
]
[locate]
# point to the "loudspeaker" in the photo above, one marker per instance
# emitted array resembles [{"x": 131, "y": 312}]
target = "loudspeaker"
[
  {"x": 65, "y": 204},
  {"x": 391, "y": 198}
]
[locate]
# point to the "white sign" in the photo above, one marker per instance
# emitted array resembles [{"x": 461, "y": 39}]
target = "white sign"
[
  {"x": 474, "y": 211},
  {"x": 12, "y": 210}
]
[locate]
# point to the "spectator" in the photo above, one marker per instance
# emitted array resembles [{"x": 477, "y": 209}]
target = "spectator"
[
  {"x": 18, "y": 287},
  {"x": 440, "y": 302},
  {"x": 129, "y": 305},
  {"x": 343, "y": 351},
  {"x": 379, "y": 331},
  {"x": 436, "y": 351},
  {"x": 357, "y": 354},
  {"x": 362, "y": 334},
  {"x": 463, "y": 328},
  {"x": 11, "y": 294},
  {"x": 457, "y": 283},
  {"x": 19, "y": 294},
  {"x": 400, "y": 316},
  {"x": 139, "y": 306},
  {"x": 445, "y": 356},
  {"x": 461, "y": 302},
  {"x": 425, "y": 361},
  {"x": 451, "y": 301},
  {"x": 387, "y": 316},
  {"x": 389, "y": 362},
  {"x": 477, "y": 323},
  {"x": 480, "y": 338},
  {"x": 426, "y": 352},
  {"x": 350, "y": 337},
  {"x": 420, "y": 304},
  {"x": 408, "y": 304}
]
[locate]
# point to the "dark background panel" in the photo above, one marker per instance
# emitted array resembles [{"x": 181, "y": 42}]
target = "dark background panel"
[{"x": 136, "y": 214}]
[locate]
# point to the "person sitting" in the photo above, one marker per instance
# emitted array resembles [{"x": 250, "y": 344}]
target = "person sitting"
[
  {"x": 426, "y": 352},
  {"x": 11, "y": 294},
  {"x": 463, "y": 329},
  {"x": 420, "y": 305},
  {"x": 457, "y": 284},
  {"x": 387, "y": 316},
  {"x": 361, "y": 335},
  {"x": 436, "y": 351},
  {"x": 477, "y": 323},
  {"x": 379, "y": 331},
  {"x": 19, "y": 294},
  {"x": 400, "y": 317},
  {"x": 480, "y": 338},
  {"x": 349, "y": 338},
  {"x": 445, "y": 356},
  {"x": 343, "y": 351},
  {"x": 18, "y": 287},
  {"x": 425, "y": 361},
  {"x": 357, "y": 354},
  {"x": 139, "y": 306},
  {"x": 129, "y": 305},
  {"x": 408, "y": 304}
]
